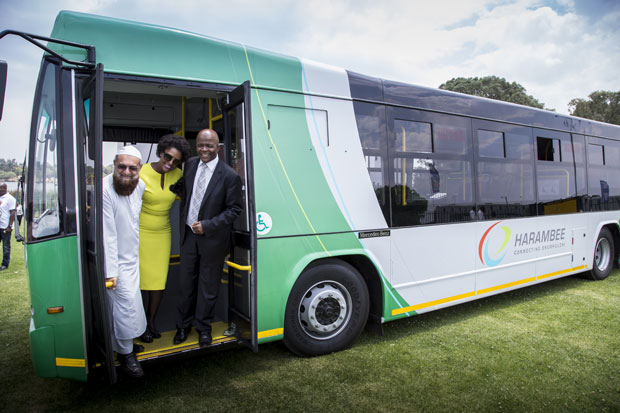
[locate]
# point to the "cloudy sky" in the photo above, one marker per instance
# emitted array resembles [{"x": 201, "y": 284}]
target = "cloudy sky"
[{"x": 556, "y": 49}]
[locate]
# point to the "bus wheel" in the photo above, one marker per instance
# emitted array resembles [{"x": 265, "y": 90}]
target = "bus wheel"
[
  {"x": 603, "y": 255},
  {"x": 327, "y": 309}
]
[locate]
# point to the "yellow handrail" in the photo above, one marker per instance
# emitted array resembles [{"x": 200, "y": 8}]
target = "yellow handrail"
[
  {"x": 181, "y": 133},
  {"x": 239, "y": 267},
  {"x": 248, "y": 268},
  {"x": 183, "y": 116}
]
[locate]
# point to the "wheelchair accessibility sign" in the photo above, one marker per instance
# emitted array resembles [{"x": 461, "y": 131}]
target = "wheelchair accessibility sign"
[{"x": 263, "y": 223}]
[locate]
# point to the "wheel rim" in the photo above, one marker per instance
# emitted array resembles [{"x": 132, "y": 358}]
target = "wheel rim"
[
  {"x": 325, "y": 310},
  {"x": 602, "y": 254}
]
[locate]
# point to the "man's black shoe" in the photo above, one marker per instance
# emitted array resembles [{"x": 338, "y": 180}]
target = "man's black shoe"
[
  {"x": 130, "y": 365},
  {"x": 154, "y": 332},
  {"x": 138, "y": 348},
  {"x": 181, "y": 335},
  {"x": 146, "y": 337},
  {"x": 204, "y": 339}
]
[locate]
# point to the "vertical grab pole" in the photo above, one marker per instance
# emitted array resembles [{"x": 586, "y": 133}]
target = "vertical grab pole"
[{"x": 183, "y": 117}]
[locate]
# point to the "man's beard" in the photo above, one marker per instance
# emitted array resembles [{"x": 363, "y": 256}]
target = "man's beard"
[{"x": 124, "y": 188}]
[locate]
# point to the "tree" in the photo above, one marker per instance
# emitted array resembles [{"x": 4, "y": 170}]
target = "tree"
[
  {"x": 601, "y": 105},
  {"x": 492, "y": 87},
  {"x": 8, "y": 176},
  {"x": 9, "y": 170}
]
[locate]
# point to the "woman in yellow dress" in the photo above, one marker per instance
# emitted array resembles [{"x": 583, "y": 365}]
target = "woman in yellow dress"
[{"x": 155, "y": 236}]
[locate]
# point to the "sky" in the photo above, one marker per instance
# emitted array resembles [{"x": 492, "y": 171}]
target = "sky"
[{"x": 557, "y": 49}]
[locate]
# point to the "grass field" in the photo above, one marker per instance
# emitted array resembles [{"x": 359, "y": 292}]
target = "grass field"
[{"x": 551, "y": 347}]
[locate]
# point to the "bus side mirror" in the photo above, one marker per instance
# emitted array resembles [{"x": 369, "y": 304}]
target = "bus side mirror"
[{"x": 3, "y": 72}]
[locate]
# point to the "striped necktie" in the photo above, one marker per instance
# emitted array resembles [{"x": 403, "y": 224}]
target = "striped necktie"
[{"x": 197, "y": 194}]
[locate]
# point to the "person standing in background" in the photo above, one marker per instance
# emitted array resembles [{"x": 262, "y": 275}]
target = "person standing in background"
[
  {"x": 7, "y": 217},
  {"x": 19, "y": 213}
]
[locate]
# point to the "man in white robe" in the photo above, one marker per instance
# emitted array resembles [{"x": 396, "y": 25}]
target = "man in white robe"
[{"x": 122, "y": 200}]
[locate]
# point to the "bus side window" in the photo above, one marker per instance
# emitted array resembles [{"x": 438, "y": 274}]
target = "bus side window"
[
  {"x": 603, "y": 174},
  {"x": 372, "y": 129},
  {"x": 555, "y": 170},
  {"x": 431, "y": 161},
  {"x": 45, "y": 213},
  {"x": 505, "y": 175},
  {"x": 579, "y": 155}
]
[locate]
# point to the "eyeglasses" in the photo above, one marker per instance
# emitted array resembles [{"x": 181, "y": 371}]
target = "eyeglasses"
[
  {"x": 121, "y": 167},
  {"x": 169, "y": 158}
]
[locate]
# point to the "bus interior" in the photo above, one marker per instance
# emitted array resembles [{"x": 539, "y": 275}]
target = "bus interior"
[{"x": 141, "y": 112}]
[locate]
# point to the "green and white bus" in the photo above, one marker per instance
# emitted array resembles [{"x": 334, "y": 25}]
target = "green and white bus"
[{"x": 366, "y": 200}]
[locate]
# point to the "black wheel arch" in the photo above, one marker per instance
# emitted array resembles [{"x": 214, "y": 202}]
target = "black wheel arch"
[
  {"x": 615, "y": 233},
  {"x": 610, "y": 232}
]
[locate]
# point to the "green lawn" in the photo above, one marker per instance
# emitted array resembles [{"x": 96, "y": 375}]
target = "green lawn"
[{"x": 551, "y": 347}]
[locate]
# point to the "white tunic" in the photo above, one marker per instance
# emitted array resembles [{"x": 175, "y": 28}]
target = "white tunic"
[
  {"x": 7, "y": 204},
  {"x": 120, "y": 237}
]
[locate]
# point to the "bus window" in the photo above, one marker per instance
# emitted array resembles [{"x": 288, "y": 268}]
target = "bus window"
[
  {"x": 491, "y": 144},
  {"x": 450, "y": 138},
  {"x": 505, "y": 170},
  {"x": 431, "y": 169},
  {"x": 237, "y": 159},
  {"x": 555, "y": 170},
  {"x": 548, "y": 149},
  {"x": 596, "y": 155},
  {"x": 372, "y": 129},
  {"x": 579, "y": 156},
  {"x": 413, "y": 136},
  {"x": 603, "y": 174},
  {"x": 45, "y": 214}
]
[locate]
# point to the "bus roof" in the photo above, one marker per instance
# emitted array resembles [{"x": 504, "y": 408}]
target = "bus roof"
[
  {"x": 420, "y": 97},
  {"x": 143, "y": 49}
]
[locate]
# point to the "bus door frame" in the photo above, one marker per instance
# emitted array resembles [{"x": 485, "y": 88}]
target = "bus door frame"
[
  {"x": 246, "y": 239},
  {"x": 90, "y": 137}
]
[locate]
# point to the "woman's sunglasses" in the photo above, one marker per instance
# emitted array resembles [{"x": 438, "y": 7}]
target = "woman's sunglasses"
[{"x": 169, "y": 158}]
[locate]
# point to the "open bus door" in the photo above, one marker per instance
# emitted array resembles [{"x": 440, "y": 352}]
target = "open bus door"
[
  {"x": 3, "y": 73},
  {"x": 90, "y": 229},
  {"x": 242, "y": 261}
]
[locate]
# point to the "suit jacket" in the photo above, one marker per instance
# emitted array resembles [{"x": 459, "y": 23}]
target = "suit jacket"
[{"x": 221, "y": 205}]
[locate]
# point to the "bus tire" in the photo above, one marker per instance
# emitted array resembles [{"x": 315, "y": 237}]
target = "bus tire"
[
  {"x": 326, "y": 310},
  {"x": 603, "y": 255}
]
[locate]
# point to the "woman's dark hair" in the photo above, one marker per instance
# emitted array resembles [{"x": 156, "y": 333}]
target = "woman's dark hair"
[{"x": 173, "y": 141}]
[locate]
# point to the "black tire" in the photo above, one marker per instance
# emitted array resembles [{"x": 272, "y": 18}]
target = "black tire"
[
  {"x": 604, "y": 253},
  {"x": 326, "y": 310}
]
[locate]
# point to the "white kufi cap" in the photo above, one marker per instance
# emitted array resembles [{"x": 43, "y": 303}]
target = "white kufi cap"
[{"x": 130, "y": 150}]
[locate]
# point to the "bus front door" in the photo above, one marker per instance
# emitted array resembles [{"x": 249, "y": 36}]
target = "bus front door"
[
  {"x": 242, "y": 261},
  {"x": 89, "y": 122}
]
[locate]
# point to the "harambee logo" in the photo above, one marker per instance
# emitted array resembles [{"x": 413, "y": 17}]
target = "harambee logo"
[{"x": 493, "y": 239}]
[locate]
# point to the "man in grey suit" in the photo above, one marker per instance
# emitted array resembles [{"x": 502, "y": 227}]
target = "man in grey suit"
[{"x": 210, "y": 202}]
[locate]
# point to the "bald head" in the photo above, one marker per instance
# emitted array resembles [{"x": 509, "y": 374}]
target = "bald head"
[{"x": 207, "y": 144}]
